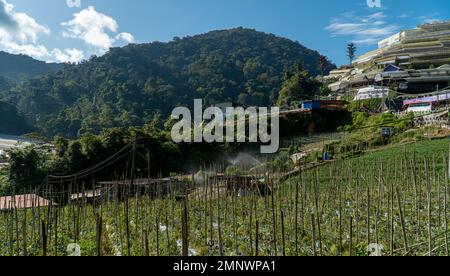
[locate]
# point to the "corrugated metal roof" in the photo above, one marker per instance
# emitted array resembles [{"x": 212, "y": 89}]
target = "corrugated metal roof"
[
  {"x": 24, "y": 202},
  {"x": 146, "y": 181}
]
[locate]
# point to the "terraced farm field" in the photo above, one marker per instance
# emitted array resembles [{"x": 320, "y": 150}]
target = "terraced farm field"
[{"x": 390, "y": 202}]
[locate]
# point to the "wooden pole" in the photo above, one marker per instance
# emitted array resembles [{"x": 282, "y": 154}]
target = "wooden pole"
[
  {"x": 368, "y": 216},
  {"x": 430, "y": 235},
  {"x": 296, "y": 218},
  {"x": 283, "y": 234},
  {"x": 99, "y": 235},
  {"x": 147, "y": 249},
  {"x": 257, "y": 239},
  {"x": 351, "y": 237},
  {"x": 127, "y": 219},
  {"x": 402, "y": 219},
  {"x": 447, "y": 169},
  {"x": 184, "y": 230},
  {"x": 44, "y": 238},
  {"x": 313, "y": 230}
]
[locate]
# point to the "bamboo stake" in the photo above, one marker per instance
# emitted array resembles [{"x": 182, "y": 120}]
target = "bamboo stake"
[
  {"x": 257, "y": 239},
  {"x": 99, "y": 235},
  {"x": 402, "y": 219},
  {"x": 368, "y": 216},
  {"x": 316, "y": 195},
  {"x": 146, "y": 244},
  {"x": 416, "y": 204},
  {"x": 184, "y": 224},
  {"x": 283, "y": 234},
  {"x": 447, "y": 171},
  {"x": 391, "y": 213},
  {"x": 430, "y": 240},
  {"x": 313, "y": 228},
  {"x": 296, "y": 219},
  {"x": 44, "y": 238},
  {"x": 341, "y": 246},
  {"x": 351, "y": 238},
  {"x": 274, "y": 224}
]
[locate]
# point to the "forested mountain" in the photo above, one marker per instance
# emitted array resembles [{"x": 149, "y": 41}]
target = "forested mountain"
[
  {"x": 11, "y": 122},
  {"x": 5, "y": 83},
  {"x": 15, "y": 69},
  {"x": 19, "y": 67},
  {"x": 128, "y": 86}
]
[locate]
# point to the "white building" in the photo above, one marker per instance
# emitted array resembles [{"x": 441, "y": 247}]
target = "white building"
[
  {"x": 372, "y": 92},
  {"x": 390, "y": 41},
  {"x": 421, "y": 47},
  {"x": 420, "y": 108}
]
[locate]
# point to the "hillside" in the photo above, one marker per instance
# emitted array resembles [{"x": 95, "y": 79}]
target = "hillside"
[
  {"x": 19, "y": 67},
  {"x": 128, "y": 86},
  {"x": 11, "y": 122},
  {"x": 5, "y": 83}
]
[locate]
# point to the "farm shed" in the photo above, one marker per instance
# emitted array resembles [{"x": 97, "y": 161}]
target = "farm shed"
[
  {"x": 153, "y": 187},
  {"x": 88, "y": 196},
  {"x": 27, "y": 201}
]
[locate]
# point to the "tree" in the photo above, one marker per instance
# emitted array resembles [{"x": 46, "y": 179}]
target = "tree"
[
  {"x": 351, "y": 52},
  {"x": 323, "y": 63},
  {"x": 11, "y": 121},
  {"x": 27, "y": 168},
  {"x": 300, "y": 86}
]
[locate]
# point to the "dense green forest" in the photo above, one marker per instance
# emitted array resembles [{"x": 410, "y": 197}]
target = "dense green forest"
[
  {"x": 11, "y": 122},
  {"x": 128, "y": 86},
  {"x": 15, "y": 69},
  {"x": 5, "y": 83},
  {"x": 20, "y": 67}
]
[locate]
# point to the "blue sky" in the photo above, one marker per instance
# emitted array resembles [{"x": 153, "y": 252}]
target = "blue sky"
[{"x": 62, "y": 30}]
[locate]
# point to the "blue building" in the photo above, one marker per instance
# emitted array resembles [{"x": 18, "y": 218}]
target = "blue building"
[
  {"x": 335, "y": 105},
  {"x": 311, "y": 105}
]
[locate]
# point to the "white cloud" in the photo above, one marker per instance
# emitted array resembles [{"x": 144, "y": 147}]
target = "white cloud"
[
  {"x": 127, "y": 37},
  {"x": 429, "y": 18},
  {"x": 29, "y": 29},
  {"x": 95, "y": 29},
  {"x": 378, "y": 15},
  {"x": 365, "y": 30},
  {"x": 366, "y": 41},
  {"x": 6, "y": 19},
  {"x": 68, "y": 55},
  {"x": 19, "y": 26},
  {"x": 33, "y": 50},
  {"x": 19, "y": 34}
]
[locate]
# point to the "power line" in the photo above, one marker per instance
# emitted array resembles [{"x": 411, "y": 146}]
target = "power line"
[
  {"x": 93, "y": 168},
  {"x": 69, "y": 178}
]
